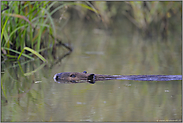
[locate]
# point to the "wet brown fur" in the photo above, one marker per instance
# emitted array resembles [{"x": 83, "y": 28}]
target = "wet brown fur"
[{"x": 81, "y": 76}]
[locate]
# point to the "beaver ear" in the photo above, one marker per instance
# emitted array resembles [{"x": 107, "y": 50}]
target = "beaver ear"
[{"x": 84, "y": 72}]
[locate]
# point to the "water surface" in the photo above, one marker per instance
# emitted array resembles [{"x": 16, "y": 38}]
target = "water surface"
[{"x": 36, "y": 97}]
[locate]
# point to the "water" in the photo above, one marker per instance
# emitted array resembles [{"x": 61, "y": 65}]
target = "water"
[{"x": 35, "y": 96}]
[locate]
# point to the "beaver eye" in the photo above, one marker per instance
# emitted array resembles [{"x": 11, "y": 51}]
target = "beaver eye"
[{"x": 72, "y": 75}]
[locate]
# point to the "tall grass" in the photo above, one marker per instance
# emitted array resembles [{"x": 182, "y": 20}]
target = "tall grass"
[
  {"x": 20, "y": 23},
  {"x": 24, "y": 23}
]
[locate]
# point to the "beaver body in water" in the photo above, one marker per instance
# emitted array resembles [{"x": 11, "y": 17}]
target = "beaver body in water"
[{"x": 76, "y": 77}]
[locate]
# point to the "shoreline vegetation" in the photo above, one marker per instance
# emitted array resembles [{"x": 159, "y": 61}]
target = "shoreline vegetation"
[{"x": 23, "y": 26}]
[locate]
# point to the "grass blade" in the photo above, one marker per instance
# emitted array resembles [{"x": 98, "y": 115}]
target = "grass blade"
[
  {"x": 17, "y": 52},
  {"x": 4, "y": 25},
  {"x": 36, "y": 53},
  {"x": 19, "y": 16}
]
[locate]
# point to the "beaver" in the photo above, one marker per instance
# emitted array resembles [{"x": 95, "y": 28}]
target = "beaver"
[{"x": 76, "y": 77}]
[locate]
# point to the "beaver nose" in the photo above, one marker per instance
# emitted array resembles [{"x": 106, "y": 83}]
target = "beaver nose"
[{"x": 56, "y": 77}]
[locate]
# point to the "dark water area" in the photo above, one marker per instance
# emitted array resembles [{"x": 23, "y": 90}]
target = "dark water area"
[{"x": 29, "y": 92}]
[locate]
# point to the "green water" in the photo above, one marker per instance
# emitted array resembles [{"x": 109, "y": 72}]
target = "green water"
[{"x": 36, "y": 97}]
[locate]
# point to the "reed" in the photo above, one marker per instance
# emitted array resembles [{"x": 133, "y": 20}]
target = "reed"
[{"x": 24, "y": 23}]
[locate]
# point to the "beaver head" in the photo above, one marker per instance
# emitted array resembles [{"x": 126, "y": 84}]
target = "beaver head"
[{"x": 74, "y": 77}]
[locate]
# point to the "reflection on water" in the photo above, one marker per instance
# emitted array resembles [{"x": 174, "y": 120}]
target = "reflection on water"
[{"x": 36, "y": 97}]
